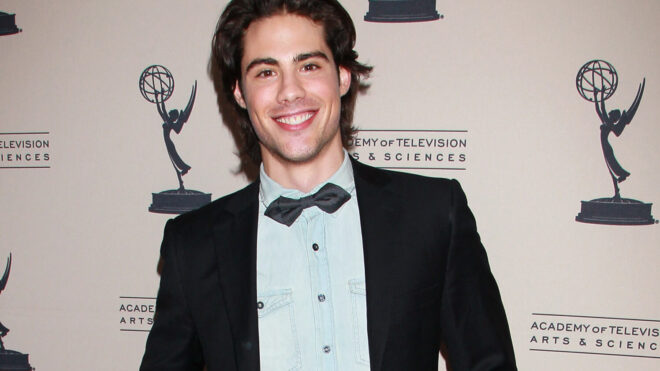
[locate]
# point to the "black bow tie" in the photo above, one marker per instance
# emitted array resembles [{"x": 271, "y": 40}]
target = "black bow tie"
[{"x": 286, "y": 210}]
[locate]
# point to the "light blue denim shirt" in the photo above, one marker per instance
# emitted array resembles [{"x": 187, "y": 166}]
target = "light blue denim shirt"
[{"x": 311, "y": 296}]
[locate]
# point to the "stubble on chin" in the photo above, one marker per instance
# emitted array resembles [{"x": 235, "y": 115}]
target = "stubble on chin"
[
  {"x": 300, "y": 156},
  {"x": 303, "y": 153}
]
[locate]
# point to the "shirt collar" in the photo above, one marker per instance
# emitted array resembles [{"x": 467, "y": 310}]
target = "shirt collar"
[{"x": 269, "y": 189}]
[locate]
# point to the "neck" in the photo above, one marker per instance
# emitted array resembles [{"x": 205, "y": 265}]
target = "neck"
[{"x": 304, "y": 176}]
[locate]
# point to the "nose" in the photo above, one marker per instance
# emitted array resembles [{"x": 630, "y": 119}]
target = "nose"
[{"x": 290, "y": 89}]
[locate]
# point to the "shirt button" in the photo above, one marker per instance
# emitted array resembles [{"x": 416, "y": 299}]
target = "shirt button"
[
  {"x": 260, "y": 305},
  {"x": 326, "y": 349},
  {"x": 315, "y": 247},
  {"x": 321, "y": 298}
]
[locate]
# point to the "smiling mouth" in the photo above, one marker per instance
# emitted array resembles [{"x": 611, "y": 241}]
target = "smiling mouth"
[{"x": 297, "y": 119}]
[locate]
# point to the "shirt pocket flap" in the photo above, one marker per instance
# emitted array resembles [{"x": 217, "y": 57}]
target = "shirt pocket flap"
[
  {"x": 271, "y": 301},
  {"x": 357, "y": 286}
]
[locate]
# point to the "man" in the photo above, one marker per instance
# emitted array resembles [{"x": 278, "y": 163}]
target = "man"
[{"x": 322, "y": 263}]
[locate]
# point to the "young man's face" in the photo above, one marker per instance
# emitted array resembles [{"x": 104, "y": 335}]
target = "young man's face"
[{"x": 291, "y": 89}]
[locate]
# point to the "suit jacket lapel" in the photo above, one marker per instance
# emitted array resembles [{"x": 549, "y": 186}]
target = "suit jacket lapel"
[
  {"x": 380, "y": 210},
  {"x": 235, "y": 238}
]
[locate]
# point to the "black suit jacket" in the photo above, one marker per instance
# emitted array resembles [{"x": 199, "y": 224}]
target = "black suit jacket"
[{"x": 427, "y": 277}]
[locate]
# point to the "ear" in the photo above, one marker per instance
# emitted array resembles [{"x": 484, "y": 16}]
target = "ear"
[
  {"x": 238, "y": 95},
  {"x": 344, "y": 80}
]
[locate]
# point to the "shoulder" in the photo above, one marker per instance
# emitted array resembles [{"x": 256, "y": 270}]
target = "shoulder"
[
  {"x": 406, "y": 183},
  {"x": 223, "y": 207}
]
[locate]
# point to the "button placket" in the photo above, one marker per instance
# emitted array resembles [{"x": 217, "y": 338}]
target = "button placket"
[{"x": 320, "y": 285}]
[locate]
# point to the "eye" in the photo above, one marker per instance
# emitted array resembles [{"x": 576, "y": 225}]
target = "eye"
[
  {"x": 265, "y": 73},
  {"x": 310, "y": 67}
]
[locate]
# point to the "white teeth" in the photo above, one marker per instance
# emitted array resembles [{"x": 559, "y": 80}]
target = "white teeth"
[{"x": 295, "y": 119}]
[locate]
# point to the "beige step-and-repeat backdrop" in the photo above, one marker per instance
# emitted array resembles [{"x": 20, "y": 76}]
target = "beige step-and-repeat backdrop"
[{"x": 497, "y": 94}]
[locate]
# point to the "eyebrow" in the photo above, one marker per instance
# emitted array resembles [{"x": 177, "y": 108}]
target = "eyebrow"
[
  {"x": 298, "y": 58},
  {"x": 258, "y": 61},
  {"x": 315, "y": 54}
]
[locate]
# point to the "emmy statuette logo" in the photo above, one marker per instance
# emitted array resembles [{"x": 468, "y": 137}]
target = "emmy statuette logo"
[
  {"x": 596, "y": 82},
  {"x": 401, "y": 11},
  {"x": 157, "y": 86},
  {"x": 8, "y": 24},
  {"x": 10, "y": 360}
]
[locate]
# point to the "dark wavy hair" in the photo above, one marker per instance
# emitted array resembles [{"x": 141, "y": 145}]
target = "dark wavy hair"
[{"x": 228, "y": 51}]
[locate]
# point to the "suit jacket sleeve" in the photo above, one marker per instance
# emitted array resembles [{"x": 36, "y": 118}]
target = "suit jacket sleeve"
[
  {"x": 475, "y": 329},
  {"x": 173, "y": 343}
]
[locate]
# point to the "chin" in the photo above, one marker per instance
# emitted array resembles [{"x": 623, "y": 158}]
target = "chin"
[{"x": 299, "y": 157}]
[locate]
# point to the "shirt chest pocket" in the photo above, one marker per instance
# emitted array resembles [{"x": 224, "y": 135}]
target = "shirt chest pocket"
[
  {"x": 359, "y": 312},
  {"x": 278, "y": 341}
]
